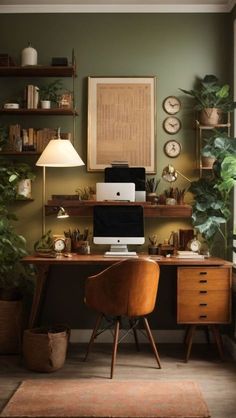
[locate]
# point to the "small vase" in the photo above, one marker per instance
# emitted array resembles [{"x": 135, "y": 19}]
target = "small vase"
[
  {"x": 170, "y": 201},
  {"x": 45, "y": 104},
  {"x": 24, "y": 188}
]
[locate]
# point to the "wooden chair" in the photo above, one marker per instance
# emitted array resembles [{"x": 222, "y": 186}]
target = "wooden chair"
[{"x": 128, "y": 289}]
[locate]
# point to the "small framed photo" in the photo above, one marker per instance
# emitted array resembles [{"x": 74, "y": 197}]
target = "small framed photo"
[
  {"x": 66, "y": 101},
  {"x": 121, "y": 122}
]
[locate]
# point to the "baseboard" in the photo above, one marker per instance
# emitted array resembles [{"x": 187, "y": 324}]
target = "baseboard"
[{"x": 160, "y": 336}]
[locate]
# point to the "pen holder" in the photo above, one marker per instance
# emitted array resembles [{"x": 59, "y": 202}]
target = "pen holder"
[{"x": 80, "y": 247}]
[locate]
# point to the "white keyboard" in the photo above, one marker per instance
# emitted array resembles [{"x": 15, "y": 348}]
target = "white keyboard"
[{"x": 120, "y": 254}]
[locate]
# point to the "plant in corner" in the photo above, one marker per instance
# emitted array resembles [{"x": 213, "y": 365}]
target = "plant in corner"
[
  {"x": 212, "y": 99},
  {"x": 15, "y": 279},
  {"x": 212, "y": 194}
]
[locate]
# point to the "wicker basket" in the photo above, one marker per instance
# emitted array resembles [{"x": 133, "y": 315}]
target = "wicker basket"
[
  {"x": 44, "y": 349},
  {"x": 10, "y": 326}
]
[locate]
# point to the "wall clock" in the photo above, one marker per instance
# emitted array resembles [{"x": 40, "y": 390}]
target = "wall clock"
[
  {"x": 172, "y": 125},
  {"x": 172, "y": 148},
  {"x": 171, "y": 105}
]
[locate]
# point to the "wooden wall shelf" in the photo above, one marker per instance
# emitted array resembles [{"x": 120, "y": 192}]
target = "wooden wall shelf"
[
  {"x": 85, "y": 208},
  {"x": 37, "y": 71},
  {"x": 45, "y": 112}
]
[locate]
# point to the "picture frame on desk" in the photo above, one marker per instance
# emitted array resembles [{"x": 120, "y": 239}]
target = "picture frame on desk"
[{"x": 121, "y": 122}]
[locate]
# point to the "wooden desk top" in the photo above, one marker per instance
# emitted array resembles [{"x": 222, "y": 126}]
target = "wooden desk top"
[{"x": 100, "y": 259}]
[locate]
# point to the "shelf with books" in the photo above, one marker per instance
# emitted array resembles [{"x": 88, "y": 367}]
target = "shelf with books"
[{"x": 16, "y": 143}]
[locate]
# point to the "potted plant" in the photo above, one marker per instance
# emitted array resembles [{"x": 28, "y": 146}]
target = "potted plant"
[
  {"x": 151, "y": 185},
  {"x": 16, "y": 180},
  {"x": 212, "y": 199},
  {"x": 153, "y": 246},
  {"x": 212, "y": 99},
  {"x": 50, "y": 93}
]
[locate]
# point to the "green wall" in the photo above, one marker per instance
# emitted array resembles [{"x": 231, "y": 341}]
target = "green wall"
[{"x": 174, "y": 47}]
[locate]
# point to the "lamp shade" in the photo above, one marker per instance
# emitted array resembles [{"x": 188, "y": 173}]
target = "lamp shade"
[{"x": 59, "y": 153}]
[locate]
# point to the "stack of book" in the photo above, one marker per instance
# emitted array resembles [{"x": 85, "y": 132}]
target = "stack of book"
[
  {"x": 31, "y": 96},
  {"x": 189, "y": 254}
]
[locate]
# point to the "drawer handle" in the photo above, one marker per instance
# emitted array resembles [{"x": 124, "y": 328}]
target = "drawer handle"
[
  {"x": 203, "y": 281},
  {"x": 202, "y": 304},
  {"x": 203, "y": 273},
  {"x": 202, "y": 316},
  {"x": 203, "y": 291}
]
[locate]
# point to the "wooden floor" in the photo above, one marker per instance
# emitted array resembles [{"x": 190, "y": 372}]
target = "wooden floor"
[{"x": 217, "y": 379}]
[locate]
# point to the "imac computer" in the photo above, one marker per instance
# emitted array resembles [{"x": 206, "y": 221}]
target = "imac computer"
[{"x": 118, "y": 226}]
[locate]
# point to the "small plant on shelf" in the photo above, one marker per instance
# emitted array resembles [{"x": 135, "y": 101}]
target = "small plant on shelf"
[
  {"x": 51, "y": 92},
  {"x": 85, "y": 193}
]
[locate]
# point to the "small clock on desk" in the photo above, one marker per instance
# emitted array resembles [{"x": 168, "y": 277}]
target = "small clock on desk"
[{"x": 59, "y": 245}]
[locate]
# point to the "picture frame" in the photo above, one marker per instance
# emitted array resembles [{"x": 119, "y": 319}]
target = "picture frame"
[{"x": 121, "y": 122}]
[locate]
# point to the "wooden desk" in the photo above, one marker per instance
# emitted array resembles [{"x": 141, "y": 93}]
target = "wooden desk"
[{"x": 43, "y": 265}]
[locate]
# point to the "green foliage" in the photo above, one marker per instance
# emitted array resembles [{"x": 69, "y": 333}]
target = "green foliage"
[
  {"x": 12, "y": 245},
  {"x": 45, "y": 243},
  {"x": 210, "y": 94},
  {"x": 51, "y": 91},
  {"x": 211, "y": 208},
  {"x": 151, "y": 184},
  {"x": 10, "y": 174},
  {"x": 85, "y": 193}
]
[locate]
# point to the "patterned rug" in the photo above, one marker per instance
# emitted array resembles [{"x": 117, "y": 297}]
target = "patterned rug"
[{"x": 103, "y": 399}]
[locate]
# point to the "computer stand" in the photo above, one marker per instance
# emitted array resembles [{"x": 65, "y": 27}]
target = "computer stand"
[{"x": 119, "y": 250}]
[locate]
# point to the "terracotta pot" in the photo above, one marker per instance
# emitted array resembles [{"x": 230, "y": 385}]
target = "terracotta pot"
[
  {"x": 152, "y": 197},
  {"x": 207, "y": 162},
  {"x": 210, "y": 116}
]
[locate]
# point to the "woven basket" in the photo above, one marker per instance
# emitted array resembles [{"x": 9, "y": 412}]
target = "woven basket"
[
  {"x": 10, "y": 326},
  {"x": 44, "y": 349}
]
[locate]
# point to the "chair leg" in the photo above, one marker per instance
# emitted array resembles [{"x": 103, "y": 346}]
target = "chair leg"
[
  {"x": 218, "y": 340},
  {"x": 115, "y": 343},
  {"x": 149, "y": 334},
  {"x": 133, "y": 326},
  {"x": 93, "y": 336},
  {"x": 190, "y": 341}
]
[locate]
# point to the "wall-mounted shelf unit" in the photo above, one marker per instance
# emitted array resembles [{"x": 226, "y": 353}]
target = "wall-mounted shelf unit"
[
  {"x": 38, "y": 72},
  {"x": 85, "y": 208},
  {"x": 202, "y": 133}
]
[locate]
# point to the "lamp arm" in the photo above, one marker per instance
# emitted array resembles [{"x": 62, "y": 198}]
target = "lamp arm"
[{"x": 186, "y": 178}]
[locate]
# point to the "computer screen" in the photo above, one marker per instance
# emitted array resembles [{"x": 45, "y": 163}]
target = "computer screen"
[
  {"x": 134, "y": 175},
  {"x": 118, "y": 226}
]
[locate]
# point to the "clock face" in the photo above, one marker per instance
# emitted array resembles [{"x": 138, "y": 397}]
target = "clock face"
[
  {"x": 59, "y": 244},
  {"x": 172, "y": 148},
  {"x": 172, "y": 125},
  {"x": 195, "y": 245},
  {"x": 171, "y": 105}
]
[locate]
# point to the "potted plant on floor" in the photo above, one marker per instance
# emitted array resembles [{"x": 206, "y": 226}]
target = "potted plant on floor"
[
  {"x": 212, "y": 194},
  {"x": 211, "y": 99}
]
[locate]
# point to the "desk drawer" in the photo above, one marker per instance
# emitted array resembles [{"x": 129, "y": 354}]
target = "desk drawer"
[
  {"x": 204, "y": 278},
  {"x": 209, "y": 307}
]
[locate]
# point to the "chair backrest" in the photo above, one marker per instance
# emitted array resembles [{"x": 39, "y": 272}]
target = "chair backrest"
[{"x": 128, "y": 287}]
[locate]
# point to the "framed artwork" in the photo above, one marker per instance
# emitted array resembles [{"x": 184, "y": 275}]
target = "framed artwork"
[{"x": 121, "y": 122}]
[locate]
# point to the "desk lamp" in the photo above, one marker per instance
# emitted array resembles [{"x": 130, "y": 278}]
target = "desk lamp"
[
  {"x": 58, "y": 153},
  {"x": 170, "y": 174},
  {"x": 62, "y": 214}
]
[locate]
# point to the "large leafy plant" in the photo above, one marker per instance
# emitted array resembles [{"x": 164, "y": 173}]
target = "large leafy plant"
[
  {"x": 209, "y": 93},
  {"x": 211, "y": 208},
  {"x": 12, "y": 245}
]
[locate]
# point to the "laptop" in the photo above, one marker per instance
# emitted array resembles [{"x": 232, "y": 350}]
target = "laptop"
[
  {"x": 134, "y": 175},
  {"x": 115, "y": 191}
]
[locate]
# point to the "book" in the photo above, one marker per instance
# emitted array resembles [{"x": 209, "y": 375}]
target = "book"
[{"x": 189, "y": 254}]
